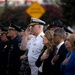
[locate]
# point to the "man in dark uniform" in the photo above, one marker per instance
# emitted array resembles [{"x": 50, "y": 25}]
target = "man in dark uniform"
[
  {"x": 1, "y": 26},
  {"x": 14, "y": 51},
  {"x": 3, "y": 51}
]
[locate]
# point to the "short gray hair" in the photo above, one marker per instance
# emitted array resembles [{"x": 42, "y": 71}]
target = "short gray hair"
[{"x": 61, "y": 32}]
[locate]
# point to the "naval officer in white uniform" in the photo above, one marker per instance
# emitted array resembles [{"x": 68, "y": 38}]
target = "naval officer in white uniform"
[{"x": 35, "y": 44}]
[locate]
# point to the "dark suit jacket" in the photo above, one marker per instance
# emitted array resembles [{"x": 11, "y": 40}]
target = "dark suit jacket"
[
  {"x": 48, "y": 68},
  {"x": 46, "y": 64},
  {"x": 62, "y": 54}
]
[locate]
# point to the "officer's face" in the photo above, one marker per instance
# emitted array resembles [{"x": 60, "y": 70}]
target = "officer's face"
[
  {"x": 35, "y": 29},
  {"x": 10, "y": 33}
]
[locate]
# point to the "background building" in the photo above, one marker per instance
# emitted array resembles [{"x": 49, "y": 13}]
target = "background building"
[{"x": 26, "y": 2}]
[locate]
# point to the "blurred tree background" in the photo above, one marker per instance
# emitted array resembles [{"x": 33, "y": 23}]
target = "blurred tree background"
[
  {"x": 65, "y": 11},
  {"x": 15, "y": 15},
  {"x": 52, "y": 12},
  {"x": 68, "y": 7}
]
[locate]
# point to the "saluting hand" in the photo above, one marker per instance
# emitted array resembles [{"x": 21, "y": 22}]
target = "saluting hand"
[{"x": 27, "y": 31}]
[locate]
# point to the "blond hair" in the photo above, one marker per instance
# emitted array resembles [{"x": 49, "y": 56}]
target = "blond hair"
[
  {"x": 72, "y": 40},
  {"x": 49, "y": 35}
]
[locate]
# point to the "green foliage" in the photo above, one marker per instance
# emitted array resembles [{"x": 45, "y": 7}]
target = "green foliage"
[
  {"x": 68, "y": 11},
  {"x": 19, "y": 17},
  {"x": 52, "y": 12},
  {"x": 1, "y": 10},
  {"x": 15, "y": 15}
]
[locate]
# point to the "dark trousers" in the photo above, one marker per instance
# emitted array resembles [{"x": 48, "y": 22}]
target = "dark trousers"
[
  {"x": 13, "y": 70},
  {"x": 39, "y": 73},
  {"x": 3, "y": 70}
]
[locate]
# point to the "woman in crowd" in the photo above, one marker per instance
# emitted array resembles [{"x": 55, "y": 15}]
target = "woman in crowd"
[
  {"x": 43, "y": 62},
  {"x": 68, "y": 65}
]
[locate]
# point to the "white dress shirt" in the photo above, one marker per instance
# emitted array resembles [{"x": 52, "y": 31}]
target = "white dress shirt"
[{"x": 58, "y": 47}]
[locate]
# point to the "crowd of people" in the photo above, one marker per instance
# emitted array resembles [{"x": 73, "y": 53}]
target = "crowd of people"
[{"x": 35, "y": 51}]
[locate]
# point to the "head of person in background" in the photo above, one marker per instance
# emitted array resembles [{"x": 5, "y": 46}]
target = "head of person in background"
[
  {"x": 1, "y": 26},
  {"x": 70, "y": 42},
  {"x": 56, "y": 24},
  {"x": 68, "y": 30},
  {"x": 12, "y": 31},
  {"x": 21, "y": 32},
  {"x": 48, "y": 40},
  {"x": 37, "y": 26},
  {"x": 59, "y": 36},
  {"x": 3, "y": 33}
]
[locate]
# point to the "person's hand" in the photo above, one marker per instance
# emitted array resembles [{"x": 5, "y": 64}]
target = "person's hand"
[
  {"x": 55, "y": 58},
  {"x": 66, "y": 60},
  {"x": 22, "y": 57},
  {"x": 44, "y": 56},
  {"x": 27, "y": 31}
]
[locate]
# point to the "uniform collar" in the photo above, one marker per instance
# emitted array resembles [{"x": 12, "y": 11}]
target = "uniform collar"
[{"x": 42, "y": 33}]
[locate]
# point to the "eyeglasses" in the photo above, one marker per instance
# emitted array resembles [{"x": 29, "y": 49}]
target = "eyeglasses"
[{"x": 56, "y": 35}]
